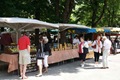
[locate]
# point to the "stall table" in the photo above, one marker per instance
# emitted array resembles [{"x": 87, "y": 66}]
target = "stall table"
[
  {"x": 57, "y": 56},
  {"x": 12, "y": 59}
]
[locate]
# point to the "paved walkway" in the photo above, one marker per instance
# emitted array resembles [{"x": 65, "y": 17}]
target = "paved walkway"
[{"x": 73, "y": 71}]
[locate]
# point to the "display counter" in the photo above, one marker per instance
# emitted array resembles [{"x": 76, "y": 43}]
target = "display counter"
[
  {"x": 11, "y": 57},
  {"x": 57, "y": 56},
  {"x": 12, "y": 60}
]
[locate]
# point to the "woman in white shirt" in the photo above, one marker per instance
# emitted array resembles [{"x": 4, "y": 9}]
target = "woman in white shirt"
[
  {"x": 97, "y": 49},
  {"x": 76, "y": 40},
  {"x": 83, "y": 50}
]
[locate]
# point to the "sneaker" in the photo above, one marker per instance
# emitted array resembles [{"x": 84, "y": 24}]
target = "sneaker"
[
  {"x": 82, "y": 65},
  {"x": 96, "y": 65},
  {"x": 20, "y": 77}
]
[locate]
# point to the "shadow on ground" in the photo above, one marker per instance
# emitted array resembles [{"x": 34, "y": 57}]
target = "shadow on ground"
[
  {"x": 62, "y": 68},
  {"x": 54, "y": 70},
  {"x": 71, "y": 66}
]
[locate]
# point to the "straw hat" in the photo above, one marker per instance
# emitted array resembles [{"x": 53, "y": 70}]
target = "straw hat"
[{"x": 104, "y": 38}]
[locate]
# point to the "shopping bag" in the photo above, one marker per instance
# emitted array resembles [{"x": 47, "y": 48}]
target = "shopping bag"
[{"x": 40, "y": 55}]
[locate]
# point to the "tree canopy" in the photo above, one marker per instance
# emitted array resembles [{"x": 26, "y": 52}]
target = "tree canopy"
[{"x": 93, "y": 13}]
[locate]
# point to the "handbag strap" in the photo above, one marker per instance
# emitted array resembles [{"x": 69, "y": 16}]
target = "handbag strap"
[{"x": 42, "y": 47}]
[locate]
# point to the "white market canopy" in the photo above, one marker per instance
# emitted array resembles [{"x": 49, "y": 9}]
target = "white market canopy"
[
  {"x": 113, "y": 29},
  {"x": 24, "y": 23},
  {"x": 68, "y": 26},
  {"x": 116, "y": 29},
  {"x": 19, "y": 24}
]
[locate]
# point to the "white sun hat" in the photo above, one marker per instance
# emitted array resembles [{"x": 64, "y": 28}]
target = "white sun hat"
[{"x": 45, "y": 39}]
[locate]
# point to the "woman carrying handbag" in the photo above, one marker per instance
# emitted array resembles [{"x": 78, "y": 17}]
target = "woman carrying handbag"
[
  {"x": 40, "y": 56},
  {"x": 97, "y": 50},
  {"x": 83, "y": 50},
  {"x": 47, "y": 51}
]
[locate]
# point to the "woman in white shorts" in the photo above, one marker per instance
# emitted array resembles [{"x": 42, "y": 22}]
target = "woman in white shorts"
[
  {"x": 47, "y": 51},
  {"x": 40, "y": 49}
]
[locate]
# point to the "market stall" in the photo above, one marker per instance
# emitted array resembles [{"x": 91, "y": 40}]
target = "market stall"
[
  {"x": 115, "y": 38},
  {"x": 72, "y": 30},
  {"x": 10, "y": 54},
  {"x": 19, "y": 24},
  {"x": 60, "y": 51},
  {"x": 113, "y": 34}
]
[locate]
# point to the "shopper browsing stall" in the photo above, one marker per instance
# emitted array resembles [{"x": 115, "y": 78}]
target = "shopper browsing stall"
[
  {"x": 40, "y": 56},
  {"x": 24, "y": 54},
  {"x": 83, "y": 50},
  {"x": 106, "y": 51},
  {"x": 76, "y": 40},
  {"x": 97, "y": 49},
  {"x": 47, "y": 51}
]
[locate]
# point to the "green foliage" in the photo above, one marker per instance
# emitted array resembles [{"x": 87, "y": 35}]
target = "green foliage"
[{"x": 86, "y": 12}]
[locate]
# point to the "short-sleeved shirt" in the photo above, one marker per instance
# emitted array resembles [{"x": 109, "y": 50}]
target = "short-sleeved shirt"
[
  {"x": 107, "y": 44},
  {"x": 76, "y": 41},
  {"x": 23, "y": 42}
]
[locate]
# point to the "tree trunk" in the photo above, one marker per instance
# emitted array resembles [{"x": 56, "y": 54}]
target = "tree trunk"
[
  {"x": 2, "y": 29},
  {"x": 2, "y": 46},
  {"x": 57, "y": 9},
  {"x": 37, "y": 9},
  {"x": 109, "y": 19},
  {"x": 63, "y": 37},
  {"x": 94, "y": 13},
  {"x": 69, "y": 5},
  {"x": 36, "y": 37},
  {"x": 102, "y": 13},
  {"x": 94, "y": 17},
  {"x": 37, "y": 13},
  {"x": 112, "y": 17}
]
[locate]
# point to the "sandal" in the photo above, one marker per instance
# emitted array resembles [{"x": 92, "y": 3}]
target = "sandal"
[
  {"x": 25, "y": 77},
  {"x": 45, "y": 71},
  {"x": 39, "y": 75},
  {"x": 103, "y": 67}
]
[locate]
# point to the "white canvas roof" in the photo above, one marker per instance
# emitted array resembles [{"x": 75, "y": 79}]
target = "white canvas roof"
[
  {"x": 24, "y": 23},
  {"x": 113, "y": 29},
  {"x": 67, "y": 26}
]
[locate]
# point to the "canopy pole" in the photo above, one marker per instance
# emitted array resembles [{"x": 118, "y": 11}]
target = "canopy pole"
[
  {"x": 17, "y": 35},
  {"x": 58, "y": 39}
]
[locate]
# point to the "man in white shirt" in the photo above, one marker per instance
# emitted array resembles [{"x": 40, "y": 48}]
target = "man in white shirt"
[
  {"x": 106, "y": 51},
  {"x": 76, "y": 40}
]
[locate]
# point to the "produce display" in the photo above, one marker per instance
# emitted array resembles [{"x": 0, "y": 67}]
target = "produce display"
[
  {"x": 13, "y": 49},
  {"x": 33, "y": 49},
  {"x": 66, "y": 46}
]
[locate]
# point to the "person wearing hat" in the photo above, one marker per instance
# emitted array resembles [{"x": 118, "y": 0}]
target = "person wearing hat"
[
  {"x": 106, "y": 51},
  {"x": 47, "y": 51}
]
